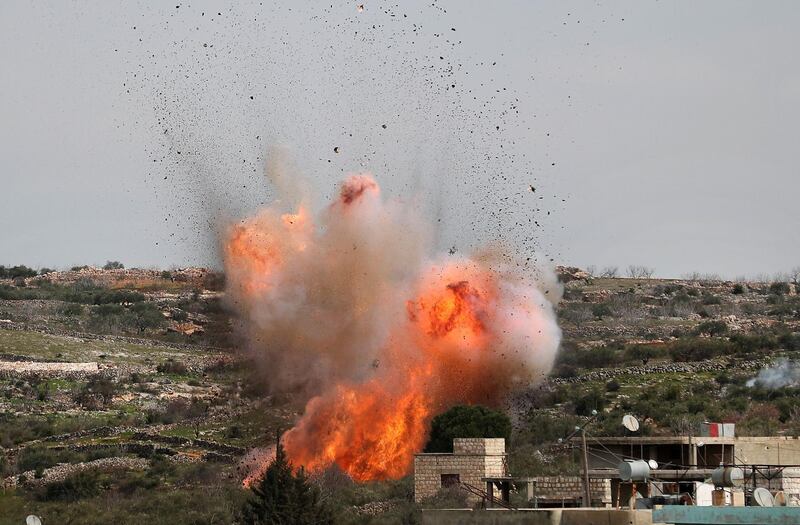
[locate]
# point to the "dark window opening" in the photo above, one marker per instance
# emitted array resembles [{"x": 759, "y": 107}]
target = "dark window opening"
[{"x": 449, "y": 480}]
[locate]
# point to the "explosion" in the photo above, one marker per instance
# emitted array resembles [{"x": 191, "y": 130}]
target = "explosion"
[{"x": 347, "y": 307}]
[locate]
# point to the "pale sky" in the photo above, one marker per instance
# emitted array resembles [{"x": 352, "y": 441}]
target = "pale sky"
[{"x": 657, "y": 133}]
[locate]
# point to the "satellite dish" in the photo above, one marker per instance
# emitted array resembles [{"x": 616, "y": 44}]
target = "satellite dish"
[
  {"x": 33, "y": 520},
  {"x": 630, "y": 422},
  {"x": 763, "y": 498},
  {"x": 653, "y": 464}
]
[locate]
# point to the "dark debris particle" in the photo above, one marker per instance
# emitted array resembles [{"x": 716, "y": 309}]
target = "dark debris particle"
[
  {"x": 383, "y": 126},
  {"x": 336, "y": 149}
]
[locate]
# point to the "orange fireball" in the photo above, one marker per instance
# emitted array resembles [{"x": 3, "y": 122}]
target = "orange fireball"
[{"x": 349, "y": 309}]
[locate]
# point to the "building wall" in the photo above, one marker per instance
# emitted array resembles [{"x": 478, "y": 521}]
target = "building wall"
[
  {"x": 571, "y": 488},
  {"x": 472, "y": 460},
  {"x": 768, "y": 451}
]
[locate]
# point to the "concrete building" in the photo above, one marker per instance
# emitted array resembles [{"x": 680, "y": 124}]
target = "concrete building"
[{"x": 771, "y": 462}]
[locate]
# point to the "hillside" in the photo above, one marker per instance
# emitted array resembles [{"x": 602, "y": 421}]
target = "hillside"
[{"x": 115, "y": 381}]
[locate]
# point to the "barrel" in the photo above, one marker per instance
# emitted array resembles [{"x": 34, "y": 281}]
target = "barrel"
[
  {"x": 636, "y": 470},
  {"x": 727, "y": 477}
]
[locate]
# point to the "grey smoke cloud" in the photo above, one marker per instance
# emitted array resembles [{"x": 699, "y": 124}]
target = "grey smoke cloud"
[{"x": 781, "y": 374}]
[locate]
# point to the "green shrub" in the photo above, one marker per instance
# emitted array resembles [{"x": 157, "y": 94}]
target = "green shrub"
[
  {"x": 96, "y": 393},
  {"x": 543, "y": 427},
  {"x": 170, "y": 366},
  {"x": 118, "y": 297},
  {"x": 113, "y": 265},
  {"x": 779, "y": 288},
  {"x": 641, "y": 353},
  {"x": 83, "y": 484},
  {"x": 466, "y": 422},
  {"x": 72, "y": 310},
  {"x": 36, "y": 458},
  {"x": 693, "y": 349},
  {"x": 591, "y": 400},
  {"x": 600, "y": 357},
  {"x": 738, "y": 289},
  {"x": 15, "y": 272},
  {"x": 712, "y": 328},
  {"x": 601, "y": 310}
]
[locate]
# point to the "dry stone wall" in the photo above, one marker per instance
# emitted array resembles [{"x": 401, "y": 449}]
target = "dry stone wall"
[{"x": 570, "y": 488}]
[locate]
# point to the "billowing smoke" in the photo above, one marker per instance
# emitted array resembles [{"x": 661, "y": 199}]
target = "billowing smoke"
[
  {"x": 349, "y": 306},
  {"x": 781, "y": 374}
]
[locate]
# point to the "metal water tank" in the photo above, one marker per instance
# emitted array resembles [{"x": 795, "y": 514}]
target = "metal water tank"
[
  {"x": 634, "y": 470},
  {"x": 727, "y": 477}
]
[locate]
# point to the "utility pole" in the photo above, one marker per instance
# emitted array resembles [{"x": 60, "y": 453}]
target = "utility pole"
[{"x": 587, "y": 496}]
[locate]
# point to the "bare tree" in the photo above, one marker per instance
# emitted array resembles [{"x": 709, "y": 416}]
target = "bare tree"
[
  {"x": 636, "y": 271},
  {"x": 591, "y": 270},
  {"x": 794, "y": 275},
  {"x": 609, "y": 272}
]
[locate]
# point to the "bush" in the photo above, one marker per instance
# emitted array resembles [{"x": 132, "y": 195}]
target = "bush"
[
  {"x": 712, "y": 328},
  {"x": 83, "y": 484},
  {"x": 176, "y": 410},
  {"x": 36, "y": 458},
  {"x": 467, "y": 422},
  {"x": 113, "y": 265},
  {"x": 15, "y": 272},
  {"x": 692, "y": 349},
  {"x": 779, "y": 288},
  {"x": 600, "y": 357},
  {"x": 643, "y": 353},
  {"x": 170, "y": 366},
  {"x": 95, "y": 393},
  {"x": 543, "y": 427},
  {"x": 738, "y": 289},
  {"x": 118, "y": 297},
  {"x": 72, "y": 310},
  {"x": 591, "y": 400},
  {"x": 612, "y": 386},
  {"x": 147, "y": 316}
]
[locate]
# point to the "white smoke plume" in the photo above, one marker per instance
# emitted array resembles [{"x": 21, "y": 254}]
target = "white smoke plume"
[{"x": 781, "y": 374}]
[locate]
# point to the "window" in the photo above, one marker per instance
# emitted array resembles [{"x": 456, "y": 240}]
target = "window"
[{"x": 449, "y": 480}]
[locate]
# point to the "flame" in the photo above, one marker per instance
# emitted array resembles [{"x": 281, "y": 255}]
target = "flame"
[{"x": 380, "y": 337}]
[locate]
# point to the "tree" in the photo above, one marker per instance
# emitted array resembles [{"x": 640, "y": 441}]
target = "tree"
[
  {"x": 16, "y": 271},
  {"x": 609, "y": 272},
  {"x": 636, "y": 271},
  {"x": 113, "y": 265},
  {"x": 147, "y": 316},
  {"x": 282, "y": 497},
  {"x": 467, "y": 422}
]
